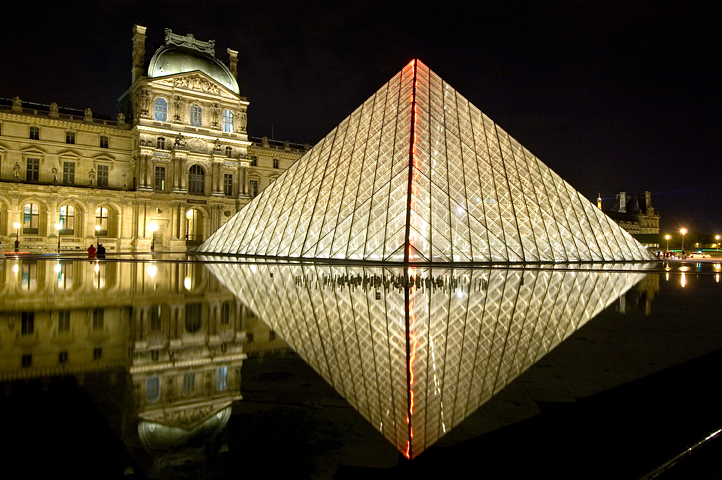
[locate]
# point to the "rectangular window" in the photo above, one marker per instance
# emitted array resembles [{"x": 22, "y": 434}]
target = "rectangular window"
[
  {"x": 27, "y": 361},
  {"x": 103, "y": 141},
  {"x": 275, "y": 163},
  {"x": 63, "y": 357},
  {"x": 97, "y": 353},
  {"x": 254, "y": 187},
  {"x": 254, "y": 161},
  {"x": 33, "y": 170},
  {"x": 221, "y": 378},
  {"x": 225, "y": 313},
  {"x": 69, "y": 173},
  {"x": 27, "y": 323},
  {"x": 160, "y": 178},
  {"x": 69, "y": 137},
  {"x": 34, "y": 133},
  {"x": 155, "y": 317},
  {"x": 102, "y": 175},
  {"x": 189, "y": 384},
  {"x": 249, "y": 337},
  {"x": 228, "y": 184},
  {"x": 155, "y": 355},
  {"x": 64, "y": 321},
  {"x": 229, "y": 152},
  {"x": 160, "y": 143},
  {"x": 98, "y": 318}
]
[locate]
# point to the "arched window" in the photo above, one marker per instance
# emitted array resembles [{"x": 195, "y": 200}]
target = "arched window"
[
  {"x": 161, "y": 110},
  {"x": 196, "y": 115},
  {"x": 227, "y": 121},
  {"x": 196, "y": 179},
  {"x": 67, "y": 220},
  {"x": 31, "y": 216},
  {"x": 102, "y": 221}
]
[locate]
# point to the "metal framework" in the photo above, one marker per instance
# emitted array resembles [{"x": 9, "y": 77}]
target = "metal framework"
[
  {"x": 415, "y": 350},
  {"x": 418, "y": 174}
]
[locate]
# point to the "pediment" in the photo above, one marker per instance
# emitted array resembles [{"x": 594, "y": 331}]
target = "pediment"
[
  {"x": 104, "y": 157},
  {"x": 33, "y": 150},
  {"x": 69, "y": 154},
  {"x": 195, "y": 81}
]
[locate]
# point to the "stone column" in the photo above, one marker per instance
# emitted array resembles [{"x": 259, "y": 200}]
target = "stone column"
[{"x": 243, "y": 178}]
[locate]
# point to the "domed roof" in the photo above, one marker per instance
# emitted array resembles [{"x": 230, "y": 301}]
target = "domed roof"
[
  {"x": 157, "y": 435},
  {"x": 173, "y": 59}
]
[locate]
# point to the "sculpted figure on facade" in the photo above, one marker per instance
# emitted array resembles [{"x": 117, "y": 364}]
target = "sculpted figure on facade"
[
  {"x": 91, "y": 176},
  {"x": 215, "y": 113},
  {"x": 53, "y": 108},
  {"x": 120, "y": 117},
  {"x": 17, "y": 102},
  {"x": 178, "y": 108},
  {"x": 144, "y": 103},
  {"x": 54, "y": 171},
  {"x": 180, "y": 141},
  {"x": 242, "y": 121},
  {"x": 16, "y": 170}
]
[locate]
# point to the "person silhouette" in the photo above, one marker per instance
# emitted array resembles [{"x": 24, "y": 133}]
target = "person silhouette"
[{"x": 91, "y": 251}]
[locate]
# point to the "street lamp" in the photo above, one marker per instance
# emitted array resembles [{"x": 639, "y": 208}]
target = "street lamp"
[
  {"x": 666, "y": 237},
  {"x": 153, "y": 227},
  {"x": 716, "y": 237},
  {"x": 17, "y": 236},
  {"x": 97, "y": 232},
  {"x": 683, "y": 231},
  {"x": 58, "y": 226}
]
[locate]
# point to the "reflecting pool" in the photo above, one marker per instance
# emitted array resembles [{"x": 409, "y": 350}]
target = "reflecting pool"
[{"x": 170, "y": 366}]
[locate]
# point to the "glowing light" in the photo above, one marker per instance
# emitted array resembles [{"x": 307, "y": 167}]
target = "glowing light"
[
  {"x": 152, "y": 270},
  {"x": 187, "y": 283},
  {"x": 683, "y": 280},
  {"x": 97, "y": 268},
  {"x": 16, "y": 269}
]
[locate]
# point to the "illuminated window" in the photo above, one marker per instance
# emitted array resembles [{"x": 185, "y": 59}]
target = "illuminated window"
[
  {"x": 103, "y": 141},
  {"x": 27, "y": 323},
  {"x": 67, "y": 220},
  {"x": 275, "y": 163},
  {"x": 196, "y": 114},
  {"x": 161, "y": 110},
  {"x": 221, "y": 378},
  {"x": 102, "y": 219},
  {"x": 196, "y": 180},
  {"x": 69, "y": 173},
  {"x": 160, "y": 178},
  {"x": 69, "y": 137},
  {"x": 31, "y": 215},
  {"x": 160, "y": 143},
  {"x": 65, "y": 275},
  {"x": 29, "y": 280},
  {"x": 34, "y": 133},
  {"x": 227, "y": 121},
  {"x": 103, "y": 175},
  {"x": 33, "y": 170},
  {"x": 228, "y": 184}
]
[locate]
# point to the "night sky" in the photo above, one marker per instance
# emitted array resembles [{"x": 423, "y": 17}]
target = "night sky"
[{"x": 612, "y": 96}]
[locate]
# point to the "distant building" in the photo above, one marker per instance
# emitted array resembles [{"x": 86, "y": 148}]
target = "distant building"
[
  {"x": 177, "y": 158},
  {"x": 634, "y": 213}
]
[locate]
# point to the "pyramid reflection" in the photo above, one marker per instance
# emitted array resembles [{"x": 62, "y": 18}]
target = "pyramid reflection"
[{"x": 417, "y": 350}]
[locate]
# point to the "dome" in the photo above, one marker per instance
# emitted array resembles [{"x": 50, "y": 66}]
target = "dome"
[
  {"x": 172, "y": 59},
  {"x": 157, "y": 435}
]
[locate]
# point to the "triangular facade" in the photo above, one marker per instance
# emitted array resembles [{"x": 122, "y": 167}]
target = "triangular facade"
[
  {"x": 419, "y": 174},
  {"x": 417, "y": 350}
]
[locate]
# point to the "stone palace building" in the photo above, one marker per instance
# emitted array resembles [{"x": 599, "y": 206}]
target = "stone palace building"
[{"x": 173, "y": 166}]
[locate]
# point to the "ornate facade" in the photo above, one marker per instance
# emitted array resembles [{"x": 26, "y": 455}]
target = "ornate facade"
[
  {"x": 634, "y": 213},
  {"x": 173, "y": 166}
]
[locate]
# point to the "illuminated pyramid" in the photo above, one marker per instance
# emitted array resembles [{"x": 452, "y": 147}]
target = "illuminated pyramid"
[
  {"x": 418, "y": 174},
  {"x": 417, "y": 350}
]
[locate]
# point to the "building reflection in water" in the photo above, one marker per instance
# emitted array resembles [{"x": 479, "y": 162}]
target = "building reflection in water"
[
  {"x": 414, "y": 351},
  {"x": 417, "y": 350},
  {"x": 177, "y": 335}
]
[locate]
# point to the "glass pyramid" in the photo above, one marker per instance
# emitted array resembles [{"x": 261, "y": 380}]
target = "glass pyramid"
[
  {"x": 416, "y": 350},
  {"x": 419, "y": 174}
]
